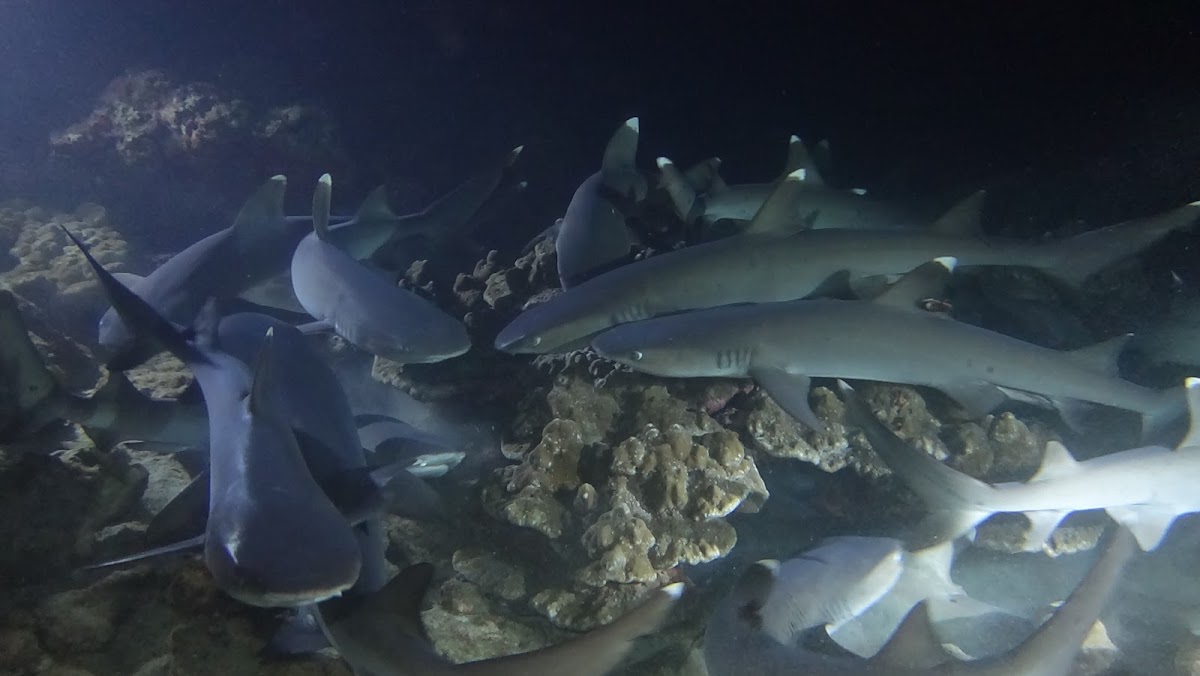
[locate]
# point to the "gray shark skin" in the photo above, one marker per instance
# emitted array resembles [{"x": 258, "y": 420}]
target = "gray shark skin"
[
  {"x": 761, "y": 269},
  {"x": 273, "y": 538},
  {"x": 115, "y": 413},
  {"x": 382, "y": 636},
  {"x": 782, "y": 345},
  {"x": 218, "y": 266},
  {"x": 593, "y": 233},
  {"x": 366, "y": 308},
  {"x": 1144, "y": 489},
  {"x": 735, "y": 645}
]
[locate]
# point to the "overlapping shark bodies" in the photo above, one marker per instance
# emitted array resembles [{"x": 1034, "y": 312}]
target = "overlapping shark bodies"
[
  {"x": 273, "y": 537},
  {"x": 765, "y": 268},
  {"x": 116, "y": 412},
  {"x": 593, "y": 234},
  {"x": 819, "y": 207},
  {"x": 736, "y": 643},
  {"x": 782, "y": 345},
  {"x": 382, "y": 635},
  {"x": 1144, "y": 489},
  {"x": 365, "y": 307}
]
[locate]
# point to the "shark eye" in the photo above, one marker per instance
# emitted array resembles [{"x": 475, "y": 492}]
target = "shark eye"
[{"x": 636, "y": 355}]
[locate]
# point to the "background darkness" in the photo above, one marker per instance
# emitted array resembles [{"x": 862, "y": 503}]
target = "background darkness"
[{"x": 918, "y": 98}]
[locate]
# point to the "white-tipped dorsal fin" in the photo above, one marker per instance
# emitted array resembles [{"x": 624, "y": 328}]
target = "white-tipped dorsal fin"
[
  {"x": 964, "y": 219},
  {"x": 778, "y": 215},
  {"x": 320, "y": 207},
  {"x": 682, "y": 195},
  {"x": 1057, "y": 461},
  {"x": 621, "y": 152},
  {"x": 1192, "y": 392},
  {"x": 375, "y": 207},
  {"x": 799, "y": 158},
  {"x": 1102, "y": 357},
  {"x": 923, "y": 282}
]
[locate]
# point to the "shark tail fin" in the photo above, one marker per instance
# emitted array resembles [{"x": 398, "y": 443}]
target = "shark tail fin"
[
  {"x": 593, "y": 654},
  {"x": 32, "y": 397},
  {"x": 1052, "y": 648},
  {"x": 1077, "y": 258},
  {"x": 954, "y": 499},
  {"x": 683, "y": 195}
]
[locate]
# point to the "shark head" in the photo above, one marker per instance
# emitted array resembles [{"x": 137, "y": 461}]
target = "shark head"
[
  {"x": 677, "y": 346},
  {"x": 561, "y": 324}
]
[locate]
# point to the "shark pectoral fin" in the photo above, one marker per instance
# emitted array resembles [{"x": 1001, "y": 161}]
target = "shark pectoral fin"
[
  {"x": 320, "y": 326},
  {"x": 1149, "y": 525},
  {"x": 977, "y": 399},
  {"x": 964, "y": 219},
  {"x": 943, "y": 525},
  {"x": 914, "y": 645},
  {"x": 185, "y": 513},
  {"x": 175, "y": 548},
  {"x": 791, "y": 393},
  {"x": 799, "y": 159},
  {"x": 682, "y": 194},
  {"x": 261, "y": 218},
  {"x": 1041, "y": 525},
  {"x": 776, "y": 216},
  {"x": 927, "y": 280}
]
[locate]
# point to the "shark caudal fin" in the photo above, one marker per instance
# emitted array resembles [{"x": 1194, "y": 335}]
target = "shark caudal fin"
[
  {"x": 956, "y": 502},
  {"x": 1075, "y": 259},
  {"x": 31, "y": 397}
]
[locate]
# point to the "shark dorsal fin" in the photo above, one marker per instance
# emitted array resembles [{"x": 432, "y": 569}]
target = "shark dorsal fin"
[
  {"x": 681, "y": 192},
  {"x": 799, "y": 159},
  {"x": 1057, "y": 462},
  {"x": 777, "y": 213},
  {"x": 1102, "y": 357},
  {"x": 1192, "y": 392},
  {"x": 261, "y": 217},
  {"x": 320, "y": 207},
  {"x": 375, "y": 207},
  {"x": 130, "y": 280},
  {"x": 924, "y": 281},
  {"x": 260, "y": 389},
  {"x": 964, "y": 219},
  {"x": 620, "y": 154},
  {"x": 914, "y": 645}
]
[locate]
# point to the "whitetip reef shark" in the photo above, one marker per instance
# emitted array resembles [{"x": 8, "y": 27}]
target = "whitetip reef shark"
[
  {"x": 737, "y": 644},
  {"x": 765, "y": 267},
  {"x": 1144, "y": 489},
  {"x": 273, "y": 538},
  {"x": 382, "y": 635},
  {"x": 781, "y": 346}
]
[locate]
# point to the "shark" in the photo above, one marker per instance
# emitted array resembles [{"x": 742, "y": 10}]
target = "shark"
[
  {"x": 890, "y": 338},
  {"x": 819, "y": 207},
  {"x": 273, "y": 538},
  {"x": 770, "y": 268},
  {"x": 593, "y": 233},
  {"x": 736, "y": 644},
  {"x": 1144, "y": 489},
  {"x": 364, "y": 306},
  {"x": 248, "y": 257},
  {"x": 382, "y": 635}
]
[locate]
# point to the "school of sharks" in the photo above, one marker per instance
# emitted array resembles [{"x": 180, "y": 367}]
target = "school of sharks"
[{"x": 778, "y": 283}]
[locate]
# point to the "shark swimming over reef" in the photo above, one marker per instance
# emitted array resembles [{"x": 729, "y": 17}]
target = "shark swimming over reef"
[
  {"x": 273, "y": 538},
  {"x": 891, "y": 338},
  {"x": 737, "y": 644},
  {"x": 769, "y": 268},
  {"x": 364, "y": 306},
  {"x": 1144, "y": 489},
  {"x": 382, "y": 635}
]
